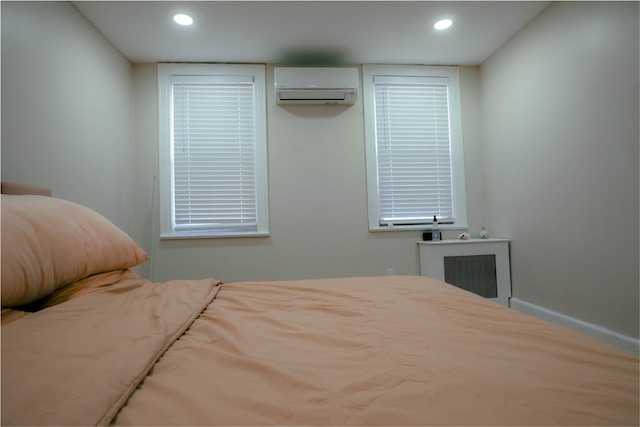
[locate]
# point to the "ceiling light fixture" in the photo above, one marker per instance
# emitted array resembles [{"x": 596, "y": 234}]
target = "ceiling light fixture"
[
  {"x": 443, "y": 24},
  {"x": 183, "y": 19}
]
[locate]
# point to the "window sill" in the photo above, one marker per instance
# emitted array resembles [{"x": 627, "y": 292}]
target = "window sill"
[
  {"x": 423, "y": 227},
  {"x": 212, "y": 236}
]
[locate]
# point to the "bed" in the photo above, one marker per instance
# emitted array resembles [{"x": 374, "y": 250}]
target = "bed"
[{"x": 86, "y": 341}]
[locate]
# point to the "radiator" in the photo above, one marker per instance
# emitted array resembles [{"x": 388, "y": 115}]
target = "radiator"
[{"x": 480, "y": 266}]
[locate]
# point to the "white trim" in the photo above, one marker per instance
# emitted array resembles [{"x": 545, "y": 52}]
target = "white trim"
[{"x": 596, "y": 331}]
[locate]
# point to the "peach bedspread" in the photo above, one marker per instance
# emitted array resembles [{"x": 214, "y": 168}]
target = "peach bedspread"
[
  {"x": 76, "y": 363},
  {"x": 356, "y": 351}
]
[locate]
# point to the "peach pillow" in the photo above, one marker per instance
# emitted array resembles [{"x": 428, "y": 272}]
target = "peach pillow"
[{"x": 48, "y": 243}]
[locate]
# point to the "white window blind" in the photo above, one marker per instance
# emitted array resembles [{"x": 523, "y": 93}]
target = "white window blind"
[
  {"x": 413, "y": 147},
  {"x": 214, "y": 153}
]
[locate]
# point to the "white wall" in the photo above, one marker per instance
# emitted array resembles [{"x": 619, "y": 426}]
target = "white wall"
[
  {"x": 560, "y": 128},
  {"x": 66, "y": 108},
  {"x": 317, "y": 196}
]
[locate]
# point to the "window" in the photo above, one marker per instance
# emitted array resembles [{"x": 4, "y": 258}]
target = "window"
[
  {"x": 213, "y": 150},
  {"x": 413, "y": 139}
]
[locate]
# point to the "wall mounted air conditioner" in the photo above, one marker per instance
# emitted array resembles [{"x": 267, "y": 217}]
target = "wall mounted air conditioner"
[{"x": 316, "y": 85}]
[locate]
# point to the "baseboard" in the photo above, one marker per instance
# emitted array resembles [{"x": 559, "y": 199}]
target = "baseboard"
[{"x": 623, "y": 341}]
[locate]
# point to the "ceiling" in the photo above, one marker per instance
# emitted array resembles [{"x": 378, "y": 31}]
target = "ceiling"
[{"x": 310, "y": 32}]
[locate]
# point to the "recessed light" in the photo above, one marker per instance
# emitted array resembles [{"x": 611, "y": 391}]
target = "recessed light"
[
  {"x": 183, "y": 19},
  {"x": 443, "y": 24}
]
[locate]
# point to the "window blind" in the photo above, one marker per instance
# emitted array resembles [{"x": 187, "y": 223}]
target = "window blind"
[
  {"x": 413, "y": 145},
  {"x": 213, "y": 130}
]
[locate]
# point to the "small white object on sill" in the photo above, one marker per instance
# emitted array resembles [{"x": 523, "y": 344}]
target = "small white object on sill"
[
  {"x": 464, "y": 236},
  {"x": 484, "y": 234}
]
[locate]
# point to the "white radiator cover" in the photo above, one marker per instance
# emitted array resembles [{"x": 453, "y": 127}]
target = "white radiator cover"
[{"x": 480, "y": 266}]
